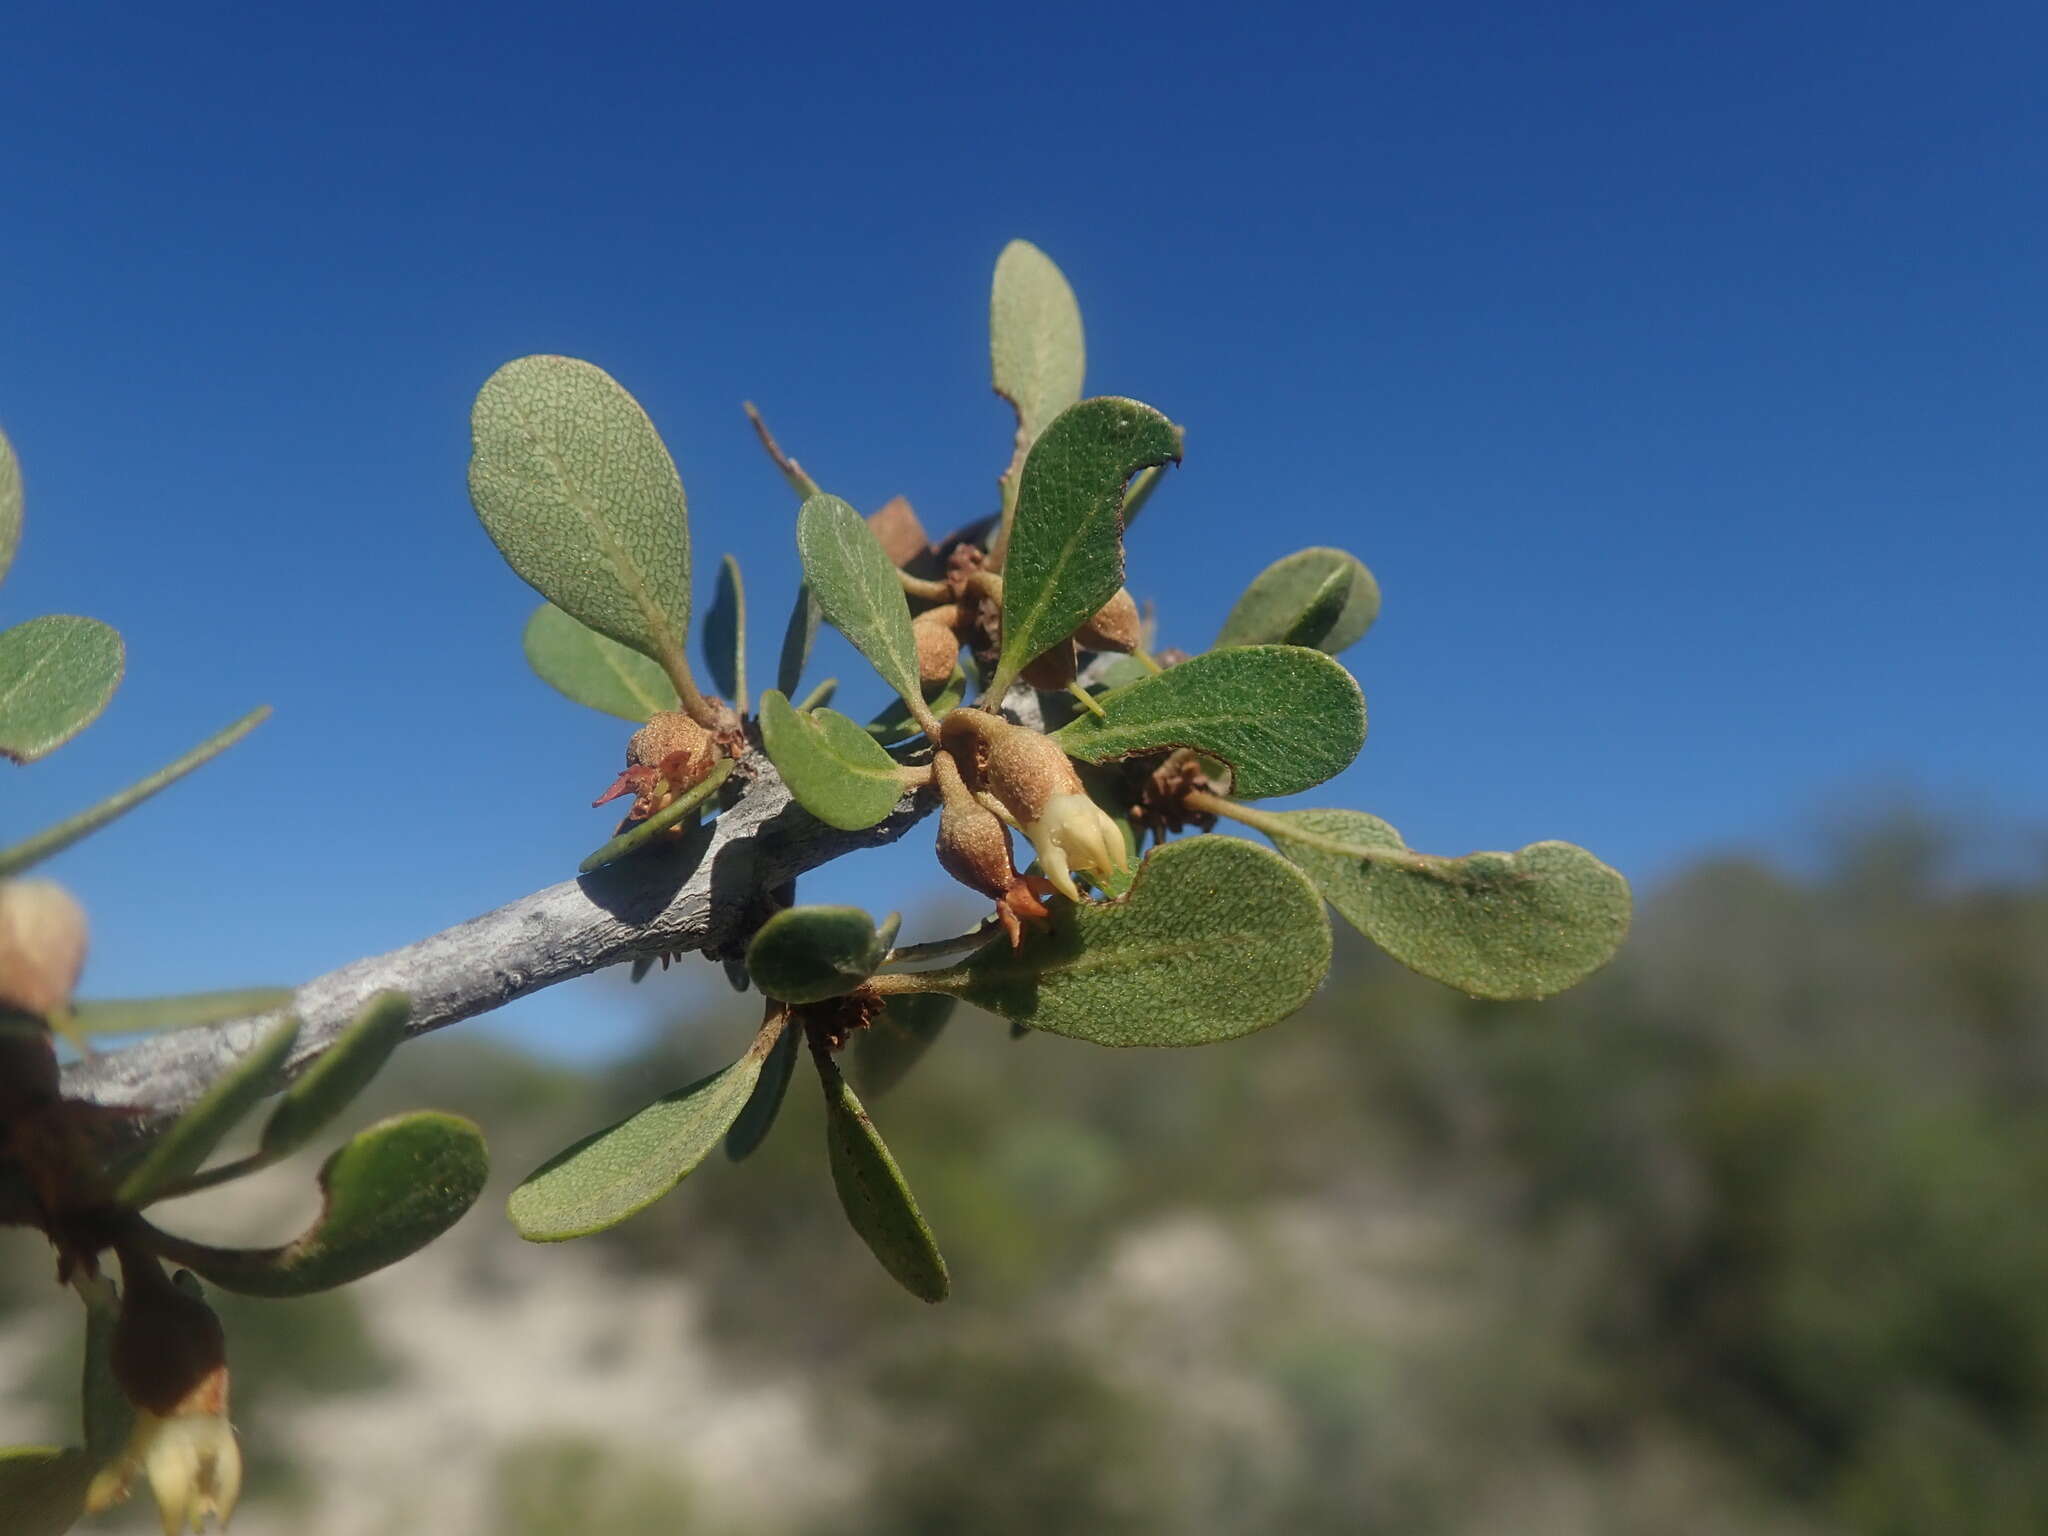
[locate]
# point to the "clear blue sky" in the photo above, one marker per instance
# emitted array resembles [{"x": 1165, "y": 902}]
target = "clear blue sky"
[{"x": 1680, "y": 370}]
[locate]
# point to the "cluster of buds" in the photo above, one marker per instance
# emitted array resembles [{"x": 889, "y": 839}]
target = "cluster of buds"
[
  {"x": 170, "y": 1359},
  {"x": 667, "y": 757}
]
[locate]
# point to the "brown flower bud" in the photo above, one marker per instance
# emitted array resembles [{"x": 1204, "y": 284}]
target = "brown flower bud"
[
  {"x": 1031, "y": 779},
  {"x": 1115, "y": 626},
  {"x": 1054, "y": 670},
  {"x": 974, "y": 848},
  {"x": 671, "y": 753},
  {"x": 938, "y": 644},
  {"x": 42, "y": 946}
]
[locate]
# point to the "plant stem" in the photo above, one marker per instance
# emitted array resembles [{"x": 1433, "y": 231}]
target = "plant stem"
[
  {"x": 820, "y": 694},
  {"x": 941, "y": 949},
  {"x": 1086, "y": 700},
  {"x": 1282, "y": 831},
  {"x": 792, "y": 471},
  {"x": 930, "y": 591}
]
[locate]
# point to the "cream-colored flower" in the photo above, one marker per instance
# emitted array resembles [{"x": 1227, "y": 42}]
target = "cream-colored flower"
[
  {"x": 1075, "y": 835},
  {"x": 193, "y": 1465}
]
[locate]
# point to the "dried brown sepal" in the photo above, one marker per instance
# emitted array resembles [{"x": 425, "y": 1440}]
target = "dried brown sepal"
[{"x": 831, "y": 1023}]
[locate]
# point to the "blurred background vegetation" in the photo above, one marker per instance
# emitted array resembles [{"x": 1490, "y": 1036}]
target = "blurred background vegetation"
[{"x": 1742, "y": 1236}]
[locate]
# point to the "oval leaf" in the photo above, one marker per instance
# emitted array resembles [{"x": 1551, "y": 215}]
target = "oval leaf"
[
  {"x": 807, "y": 954},
  {"x": 344, "y": 1070},
  {"x": 623, "y": 1169},
  {"x": 1495, "y": 925},
  {"x": 1320, "y": 597},
  {"x": 56, "y": 675},
  {"x": 586, "y": 668},
  {"x": 908, "y": 1026},
  {"x": 1066, "y": 552},
  {"x": 386, "y": 1194},
  {"x": 138, "y": 1015},
  {"x": 765, "y": 1102},
  {"x": 797, "y": 636},
  {"x": 10, "y": 505},
  {"x": 1036, "y": 350},
  {"x": 578, "y": 492},
  {"x": 857, "y": 589},
  {"x": 192, "y": 1137},
  {"x": 725, "y": 634},
  {"x": 42, "y": 1488},
  {"x": 1218, "y": 938},
  {"x": 836, "y": 770},
  {"x": 1284, "y": 717},
  {"x": 874, "y": 1195}
]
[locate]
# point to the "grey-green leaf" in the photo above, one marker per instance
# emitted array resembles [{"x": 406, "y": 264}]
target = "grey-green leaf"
[
  {"x": 56, "y": 675},
  {"x": 187, "y": 1010},
  {"x": 42, "y": 1488},
  {"x": 1218, "y": 938},
  {"x": 1036, "y": 349},
  {"x": 10, "y": 505},
  {"x": 874, "y": 1195},
  {"x": 1284, "y": 717},
  {"x": 807, "y": 954},
  {"x": 386, "y": 1193},
  {"x": 55, "y": 839},
  {"x": 1320, "y": 597},
  {"x": 344, "y": 1070},
  {"x": 578, "y": 491},
  {"x": 765, "y": 1102},
  {"x": 725, "y": 634},
  {"x": 1066, "y": 556},
  {"x": 797, "y": 636},
  {"x": 623, "y": 1169},
  {"x": 857, "y": 589},
  {"x": 836, "y": 770},
  {"x": 909, "y": 1024},
  {"x": 1496, "y": 925},
  {"x": 586, "y": 668},
  {"x": 192, "y": 1137}
]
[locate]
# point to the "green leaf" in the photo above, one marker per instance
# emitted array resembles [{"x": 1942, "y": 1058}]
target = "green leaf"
[
  {"x": 344, "y": 1070},
  {"x": 894, "y": 724},
  {"x": 189, "y": 1010},
  {"x": 107, "y": 1413},
  {"x": 586, "y": 668},
  {"x": 42, "y": 1488},
  {"x": 386, "y": 1193},
  {"x": 192, "y": 1137},
  {"x": 836, "y": 770},
  {"x": 1284, "y": 717},
  {"x": 578, "y": 492},
  {"x": 1035, "y": 342},
  {"x": 55, "y": 839},
  {"x": 1218, "y": 938},
  {"x": 623, "y": 1169},
  {"x": 1495, "y": 925},
  {"x": 765, "y": 1102},
  {"x": 10, "y": 505},
  {"x": 908, "y": 1025},
  {"x": 807, "y": 954},
  {"x": 1320, "y": 597},
  {"x": 1066, "y": 555},
  {"x": 725, "y": 635},
  {"x": 797, "y": 636},
  {"x": 874, "y": 1195},
  {"x": 858, "y": 590},
  {"x": 56, "y": 675},
  {"x": 646, "y": 830}
]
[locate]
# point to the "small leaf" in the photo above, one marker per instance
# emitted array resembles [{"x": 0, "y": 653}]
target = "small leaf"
[
  {"x": 1036, "y": 348},
  {"x": 386, "y": 1194},
  {"x": 56, "y": 675},
  {"x": 1217, "y": 938},
  {"x": 797, "y": 636},
  {"x": 725, "y": 635},
  {"x": 874, "y": 1195},
  {"x": 894, "y": 724},
  {"x": 192, "y": 1137},
  {"x": 344, "y": 1070},
  {"x": 807, "y": 954},
  {"x": 577, "y": 490},
  {"x": 42, "y": 1488},
  {"x": 1284, "y": 717},
  {"x": 1066, "y": 556},
  {"x": 1495, "y": 925},
  {"x": 1320, "y": 597},
  {"x": 10, "y": 505},
  {"x": 55, "y": 839},
  {"x": 836, "y": 770},
  {"x": 646, "y": 830},
  {"x": 107, "y": 1413},
  {"x": 623, "y": 1169},
  {"x": 189, "y": 1010},
  {"x": 908, "y": 1025},
  {"x": 586, "y": 668},
  {"x": 765, "y": 1102},
  {"x": 858, "y": 590}
]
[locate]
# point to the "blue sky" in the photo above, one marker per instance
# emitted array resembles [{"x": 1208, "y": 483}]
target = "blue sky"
[{"x": 1679, "y": 370}]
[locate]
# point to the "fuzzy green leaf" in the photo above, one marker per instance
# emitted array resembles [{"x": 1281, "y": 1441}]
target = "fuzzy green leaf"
[
  {"x": 1066, "y": 555},
  {"x": 645, "y": 831},
  {"x": 386, "y": 1193},
  {"x": 1497, "y": 925},
  {"x": 1320, "y": 597},
  {"x": 725, "y": 634},
  {"x": 1218, "y": 938},
  {"x": 797, "y": 636},
  {"x": 858, "y": 590},
  {"x": 187, "y": 1010},
  {"x": 42, "y": 1488},
  {"x": 578, "y": 491},
  {"x": 765, "y": 1102},
  {"x": 56, "y": 675},
  {"x": 836, "y": 770},
  {"x": 344, "y": 1070},
  {"x": 192, "y": 1137},
  {"x": 894, "y": 724},
  {"x": 623, "y": 1169},
  {"x": 586, "y": 668},
  {"x": 908, "y": 1026},
  {"x": 874, "y": 1195},
  {"x": 1036, "y": 350},
  {"x": 55, "y": 839},
  {"x": 10, "y": 505},
  {"x": 1284, "y": 717},
  {"x": 807, "y": 954}
]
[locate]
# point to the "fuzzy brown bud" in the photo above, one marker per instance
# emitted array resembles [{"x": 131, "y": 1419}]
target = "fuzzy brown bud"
[
  {"x": 1115, "y": 626},
  {"x": 664, "y": 736},
  {"x": 43, "y": 937},
  {"x": 938, "y": 644},
  {"x": 1054, "y": 670},
  {"x": 1030, "y": 778},
  {"x": 974, "y": 848}
]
